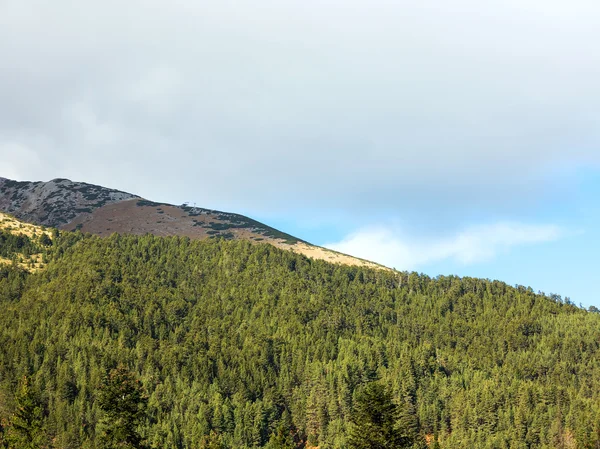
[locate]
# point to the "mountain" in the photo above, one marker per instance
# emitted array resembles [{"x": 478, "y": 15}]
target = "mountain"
[
  {"x": 55, "y": 203},
  {"x": 156, "y": 333},
  {"x": 69, "y": 205},
  {"x": 220, "y": 343}
]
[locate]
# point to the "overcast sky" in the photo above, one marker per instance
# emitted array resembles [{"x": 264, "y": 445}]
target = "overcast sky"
[{"x": 445, "y": 137}]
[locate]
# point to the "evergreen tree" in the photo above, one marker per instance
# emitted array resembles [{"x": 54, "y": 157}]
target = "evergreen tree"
[
  {"x": 281, "y": 439},
  {"x": 374, "y": 421},
  {"x": 26, "y": 429},
  {"x": 212, "y": 441},
  {"x": 122, "y": 400}
]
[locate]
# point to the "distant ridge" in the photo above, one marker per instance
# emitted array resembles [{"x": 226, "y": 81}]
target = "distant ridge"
[{"x": 71, "y": 206}]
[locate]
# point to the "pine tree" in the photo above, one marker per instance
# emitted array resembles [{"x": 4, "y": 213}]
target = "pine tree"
[
  {"x": 281, "y": 439},
  {"x": 122, "y": 400},
  {"x": 26, "y": 429},
  {"x": 212, "y": 441},
  {"x": 374, "y": 421}
]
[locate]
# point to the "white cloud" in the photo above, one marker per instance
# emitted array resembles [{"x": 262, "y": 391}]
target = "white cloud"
[
  {"x": 19, "y": 161},
  {"x": 392, "y": 248},
  {"x": 158, "y": 91},
  {"x": 354, "y": 103},
  {"x": 89, "y": 130}
]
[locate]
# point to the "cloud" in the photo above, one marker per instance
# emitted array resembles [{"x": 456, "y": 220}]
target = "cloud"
[
  {"x": 355, "y": 104},
  {"x": 392, "y": 248},
  {"x": 12, "y": 167}
]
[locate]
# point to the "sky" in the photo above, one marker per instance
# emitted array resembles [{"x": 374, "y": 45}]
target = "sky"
[{"x": 454, "y": 137}]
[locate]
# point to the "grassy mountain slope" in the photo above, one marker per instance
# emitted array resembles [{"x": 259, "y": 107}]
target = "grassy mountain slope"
[
  {"x": 233, "y": 341},
  {"x": 23, "y": 244}
]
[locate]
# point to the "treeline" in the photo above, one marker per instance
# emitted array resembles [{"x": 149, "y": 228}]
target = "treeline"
[{"x": 244, "y": 345}]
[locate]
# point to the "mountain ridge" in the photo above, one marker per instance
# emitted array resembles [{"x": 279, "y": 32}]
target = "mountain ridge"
[{"x": 71, "y": 205}]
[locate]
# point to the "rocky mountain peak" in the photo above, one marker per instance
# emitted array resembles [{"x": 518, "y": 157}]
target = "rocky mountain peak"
[{"x": 56, "y": 202}]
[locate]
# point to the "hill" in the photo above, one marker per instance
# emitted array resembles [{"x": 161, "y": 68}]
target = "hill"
[
  {"x": 22, "y": 244},
  {"x": 69, "y": 205},
  {"x": 236, "y": 343}
]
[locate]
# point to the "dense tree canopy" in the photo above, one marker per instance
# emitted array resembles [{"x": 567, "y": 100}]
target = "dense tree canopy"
[
  {"x": 121, "y": 398},
  {"x": 26, "y": 429},
  {"x": 244, "y": 345},
  {"x": 374, "y": 422}
]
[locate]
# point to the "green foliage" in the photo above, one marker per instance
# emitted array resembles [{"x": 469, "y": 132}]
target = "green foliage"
[
  {"x": 146, "y": 203},
  {"x": 12, "y": 282},
  {"x": 212, "y": 441},
  {"x": 11, "y": 244},
  {"x": 121, "y": 399},
  {"x": 240, "y": 345},
  {"x": 26, "y": 428},
  {"x": 374, "y": 421},
  {"x": 281, "y": 439}
]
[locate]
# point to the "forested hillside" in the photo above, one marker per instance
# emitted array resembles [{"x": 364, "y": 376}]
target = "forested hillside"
[{"x": 244, "y": 345}]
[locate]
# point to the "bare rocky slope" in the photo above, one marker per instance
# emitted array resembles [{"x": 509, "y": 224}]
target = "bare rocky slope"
[
  {"x": 54, "y": 203},
  {"x": 69, "y": 205}
]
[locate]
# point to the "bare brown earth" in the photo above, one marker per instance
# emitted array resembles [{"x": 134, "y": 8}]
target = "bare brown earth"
[
  {"x": 138, "y": 218},
  {"x": 132, "y": 217}
]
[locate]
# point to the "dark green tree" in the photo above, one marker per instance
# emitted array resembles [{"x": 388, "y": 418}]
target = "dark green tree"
[
  {"x": 45, "y": 240},
  {"x": 26, "y": 429},
  {"x": 3, "y": 442},
  {"x": 281, "y": 439},
  {"x": 212, "y": 441},
  {"x": 122, "y": 400},
  {"x": 374, "y": 421}
]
